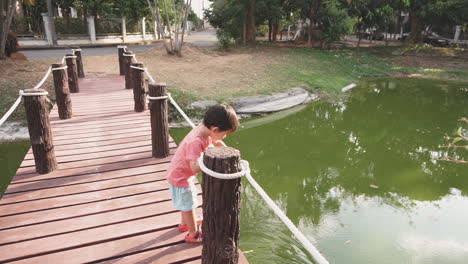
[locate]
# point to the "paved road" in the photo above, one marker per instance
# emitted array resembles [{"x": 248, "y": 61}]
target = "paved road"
[
  {"x": 96, "y": 51},
  {"x": 205, "y": 38}
]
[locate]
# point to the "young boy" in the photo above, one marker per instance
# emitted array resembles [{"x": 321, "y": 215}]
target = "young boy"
[{"x": 219, "y": 121}]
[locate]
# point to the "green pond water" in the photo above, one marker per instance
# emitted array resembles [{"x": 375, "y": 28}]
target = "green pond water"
[
  {"x": 322, "y": 164},
  {"x": 11, "y": 156}
]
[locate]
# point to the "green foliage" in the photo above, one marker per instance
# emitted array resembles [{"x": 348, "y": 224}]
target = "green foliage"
[
  {"x": 334, "y": 21},
  {"x": 227, "y": 15},
  {"x": 183, "y": 99},
  {"x": 224, "y": 38},
  {"x": 456, "y": 143},
  {"x": 198, "y": 22},
  {"x": 73, "y": 26}
]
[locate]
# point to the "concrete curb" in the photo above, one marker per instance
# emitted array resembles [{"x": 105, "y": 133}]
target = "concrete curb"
[{"x": 87, "y": 45}]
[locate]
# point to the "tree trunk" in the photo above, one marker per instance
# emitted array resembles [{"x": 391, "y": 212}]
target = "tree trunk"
[
  {"x": 6, "y": 25},
  {"x": 157, "y": 17},
  {"x": 85, "y": 15},
  {"x": 270, "y": 27},
  {"x": 244, "y": 31},
  {"x": 170, "y": 29},
  {"x": 221, "y": 207},
  {"x": 251, "y": 29},
  {"x": 311, "y": 19},
  {"x": 187, "y": 11},
  {"x": 386, "y": 36},
  {"x": 359, "y": 39},
  {"x": 66, "y": 12},
  {"x": 398, "y": 25},
  {"x": 415, "y": 36},
  {"x": 275, "y": 31},
  {"x": 176, "y": 29}
]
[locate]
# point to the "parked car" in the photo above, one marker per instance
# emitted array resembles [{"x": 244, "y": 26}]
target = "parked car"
[{"x": 430, "y": 38}]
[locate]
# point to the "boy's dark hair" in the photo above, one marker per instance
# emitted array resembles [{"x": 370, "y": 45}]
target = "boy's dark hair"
[{"x": 222, "y": 116}]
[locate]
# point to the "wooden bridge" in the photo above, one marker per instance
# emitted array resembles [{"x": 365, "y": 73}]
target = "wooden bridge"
[{"x": 108, "y": 202}]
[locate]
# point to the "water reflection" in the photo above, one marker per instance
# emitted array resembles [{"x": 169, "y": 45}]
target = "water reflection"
[{"x": 319, "y": 164}]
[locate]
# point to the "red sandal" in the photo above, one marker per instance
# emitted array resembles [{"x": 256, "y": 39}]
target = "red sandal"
[
  {"x": 198, "y": 238},
  {"x": 184, "y": 228}
]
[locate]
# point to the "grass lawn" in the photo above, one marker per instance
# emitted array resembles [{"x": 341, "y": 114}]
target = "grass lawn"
[
  {"x": 330, "y": 70},
  {"x": 203, "y": 74}
]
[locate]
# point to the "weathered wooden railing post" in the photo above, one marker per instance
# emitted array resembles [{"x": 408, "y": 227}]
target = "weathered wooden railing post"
[
  {"x": 62, "y": 91},
  {"x": 159, "y": 119},
  {"x": 79, "y": 62},
  {"x": 36, "y": 105},
  {"x": 128, "y": 59},
  {"x": 221, "y": 206},
  {"x": 121, "y": 50},
  {"x": 72, "y": 72},
  {"x": 139, "y": 96}
]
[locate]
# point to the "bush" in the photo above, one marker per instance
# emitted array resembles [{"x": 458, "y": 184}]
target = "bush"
[
  {"x": 74, "y": 26},
  {"x": 224, "y": 38}
]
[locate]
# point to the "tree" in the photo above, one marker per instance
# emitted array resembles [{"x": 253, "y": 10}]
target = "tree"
[
  {"x": 180, "y": 11},
  {"x": 236, "y": 18},
  {"x": 334, "y": 22},
  {"x": 5, "y": 20}
]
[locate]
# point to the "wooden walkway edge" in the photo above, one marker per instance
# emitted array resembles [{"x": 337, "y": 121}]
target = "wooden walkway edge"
[{"x": 108, "y": 202}]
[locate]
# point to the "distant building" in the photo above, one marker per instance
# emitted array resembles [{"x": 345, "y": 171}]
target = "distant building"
[{"x": 199, "y": 7}]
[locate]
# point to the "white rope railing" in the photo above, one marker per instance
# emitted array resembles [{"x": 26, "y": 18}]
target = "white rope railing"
[
  {"x": 18, "y": 100},
  {"x": 22, "y": 93},
  {"x": 157, "y": 97},
  {"x": 39, "y": 85},
  {"x": 60, "y": 68},
  {"x": 149, "y": 75},
  {"x": 138, "y": 68},
  {"x": 245, "y": 171}
]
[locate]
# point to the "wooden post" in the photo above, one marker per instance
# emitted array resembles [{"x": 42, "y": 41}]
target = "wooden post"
[
  {"x": 72, "y": 72},
  {"x": 221, "y": 206},
  {"x": 121, "y": 50},
  {"x": 159, "y": 120},
  {"x": 40, "y": 133},
  {"x": 62, "y": 91},
  {"x": 79, "y": 62},
  {"x": 128, "y": 59},
  {"x": 139, "y": 95}
]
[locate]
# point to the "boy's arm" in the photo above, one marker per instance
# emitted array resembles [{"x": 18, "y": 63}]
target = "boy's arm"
[
  {"x": 218, "y": 143},
  {"x": 194, "y": 166}
]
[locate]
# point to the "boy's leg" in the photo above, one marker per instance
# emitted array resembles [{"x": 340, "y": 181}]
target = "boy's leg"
[
  {"x": 188, "y": 217},
  {"x": 182, "y": 220}
]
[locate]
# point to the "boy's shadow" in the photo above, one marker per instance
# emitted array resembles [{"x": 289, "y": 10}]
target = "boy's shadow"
[{"x": 155, "y": 244}]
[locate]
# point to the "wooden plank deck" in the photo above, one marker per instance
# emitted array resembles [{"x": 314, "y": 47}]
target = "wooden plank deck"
[{"x": 108, "y": 202}]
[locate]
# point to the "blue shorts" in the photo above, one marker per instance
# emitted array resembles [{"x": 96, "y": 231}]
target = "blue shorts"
[{"x": 184, "y": 198}]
